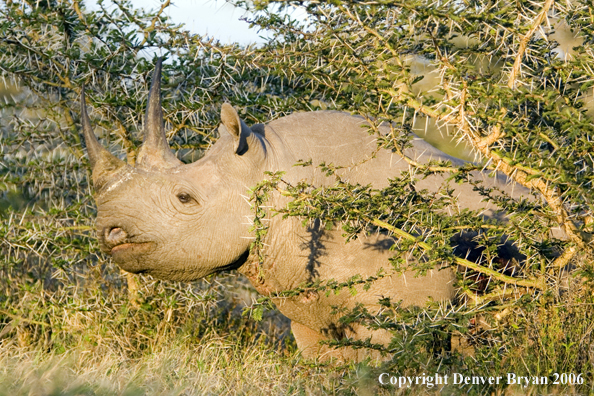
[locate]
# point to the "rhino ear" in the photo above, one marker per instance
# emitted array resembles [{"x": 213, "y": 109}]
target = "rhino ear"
[{"x": 236, "y": 128}]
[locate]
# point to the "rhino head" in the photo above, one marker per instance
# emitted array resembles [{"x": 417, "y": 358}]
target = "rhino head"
[{"x": 169, "y": 219}]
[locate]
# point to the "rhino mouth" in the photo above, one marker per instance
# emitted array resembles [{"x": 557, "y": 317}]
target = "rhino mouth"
[
  {"x": 135, "y": 246},
  {"x": 128, "y": 255}
]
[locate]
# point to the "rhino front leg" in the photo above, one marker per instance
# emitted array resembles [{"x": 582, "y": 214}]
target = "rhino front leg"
[{"x": 308, "y": 342}]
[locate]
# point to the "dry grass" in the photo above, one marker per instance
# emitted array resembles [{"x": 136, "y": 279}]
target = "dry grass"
[
  {"x": 216, "y": 366},
  {"x": 87, "y": 338}
]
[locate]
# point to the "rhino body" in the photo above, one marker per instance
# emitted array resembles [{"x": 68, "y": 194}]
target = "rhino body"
[{"x": 185, "y": 221}]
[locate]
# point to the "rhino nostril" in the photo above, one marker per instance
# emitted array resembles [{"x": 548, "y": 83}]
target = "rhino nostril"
[{"x": 115, "y": 235}]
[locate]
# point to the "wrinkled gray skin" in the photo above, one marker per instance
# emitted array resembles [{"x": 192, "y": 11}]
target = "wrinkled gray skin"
[{"x": 184, "y": 222}]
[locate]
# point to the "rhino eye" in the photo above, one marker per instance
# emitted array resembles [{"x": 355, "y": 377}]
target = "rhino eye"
[{"x": 184, "y": 197}]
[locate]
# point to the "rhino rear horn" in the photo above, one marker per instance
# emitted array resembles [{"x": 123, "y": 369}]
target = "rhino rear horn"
[
  {"x": 103, "y": 163},
  {"x": 155, "y": 151},
  {"x": 236, "y": 128}
]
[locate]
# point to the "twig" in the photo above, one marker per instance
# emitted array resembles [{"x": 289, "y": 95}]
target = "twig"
[
  {"x": 15, "y": 317},
  {"x": 565, "y": 258},
  {"x": 524, "y": 42},
  {"x": 499, "y": 294}
]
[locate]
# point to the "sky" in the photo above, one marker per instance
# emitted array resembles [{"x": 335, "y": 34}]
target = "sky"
[{"x": 216, "y": 18}]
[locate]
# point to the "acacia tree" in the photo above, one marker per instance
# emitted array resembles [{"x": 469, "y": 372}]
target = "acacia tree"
[
  {"x": 513, "y": 80},
  {"x": 504, "y": 84},
  {"x": 494, "y": 74}
]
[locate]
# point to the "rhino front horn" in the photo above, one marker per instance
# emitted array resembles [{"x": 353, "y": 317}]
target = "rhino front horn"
[
  {"x": 155, "y": 152},
  {"x": 103, "y": 163}
]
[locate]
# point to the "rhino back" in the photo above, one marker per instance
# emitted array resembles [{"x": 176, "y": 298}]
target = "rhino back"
[{"x": 343, "y": 140}]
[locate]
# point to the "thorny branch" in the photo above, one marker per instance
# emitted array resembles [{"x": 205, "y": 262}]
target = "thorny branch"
[
  {"x": 536, "y": 23},
  {"x": 532, "y": 283}
]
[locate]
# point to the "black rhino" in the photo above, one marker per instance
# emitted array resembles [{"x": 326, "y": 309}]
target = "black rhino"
[{"x": 185, "y": 221}]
